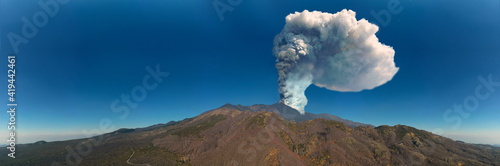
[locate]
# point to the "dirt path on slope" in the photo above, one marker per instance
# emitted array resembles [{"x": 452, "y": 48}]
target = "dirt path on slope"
[{"x": 128, "y": 161}]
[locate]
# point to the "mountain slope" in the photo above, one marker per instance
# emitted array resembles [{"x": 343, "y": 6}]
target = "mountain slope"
[
  {"x": 229, "y": 136},
  {"x": 291, "y": 114}
]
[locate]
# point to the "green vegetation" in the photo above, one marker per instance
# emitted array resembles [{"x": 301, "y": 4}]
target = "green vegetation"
[
  {"x": 286, "y": 139},
  {"x": 259, "y": 120},
  {"x": 296, "y": 148},
  {"x": 28, "y": 154},
  {"x": 338, "y": 125},
  {"x": 202, "y": 126},
  {"x": 320, "y": 159},
  {"x": 157, "y": 156},
  {"x": 403, "y": 130},
  {"x": 378, "y": 150},
  {"x": 296, "y": 128}
]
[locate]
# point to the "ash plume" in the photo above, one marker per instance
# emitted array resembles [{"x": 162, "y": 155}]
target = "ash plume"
[{"x": 333, "y": 51}]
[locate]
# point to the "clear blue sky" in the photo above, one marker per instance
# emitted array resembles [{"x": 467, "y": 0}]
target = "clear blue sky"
[{"x": 91, "y": 52}]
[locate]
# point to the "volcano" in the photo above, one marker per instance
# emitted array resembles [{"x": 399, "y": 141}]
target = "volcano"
[{"x": 258, "y": 135}]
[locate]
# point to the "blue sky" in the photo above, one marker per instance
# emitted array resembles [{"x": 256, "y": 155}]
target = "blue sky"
[{"x": 91, "y": 52}]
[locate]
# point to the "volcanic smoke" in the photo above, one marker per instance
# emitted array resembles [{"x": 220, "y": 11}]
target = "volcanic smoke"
[{"x": 333, "y": 51}]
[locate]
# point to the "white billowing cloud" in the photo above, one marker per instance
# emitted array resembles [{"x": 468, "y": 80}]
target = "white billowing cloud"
[{"x": 334, "y": 51}]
